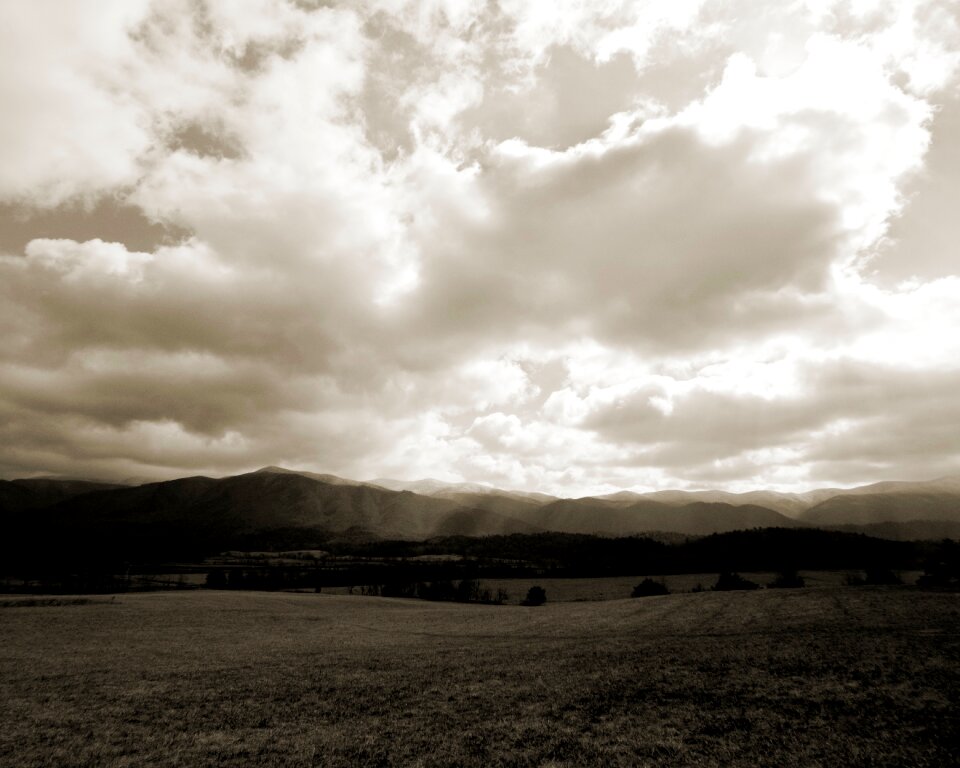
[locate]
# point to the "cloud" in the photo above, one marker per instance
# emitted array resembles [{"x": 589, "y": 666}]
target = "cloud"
[
  {"x": 658, "y": 241},
  {"x": 604, "y": 246},
  {"x": 59, "y": 60}
]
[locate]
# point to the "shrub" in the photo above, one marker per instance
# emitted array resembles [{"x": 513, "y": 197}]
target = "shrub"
[
  {"x": 467, "y": 591},
  {"x": 437, "y": 590},
  {"x": 398, "y": 590},
  {"x": 882, "y": 576},
  {"x": 217, "y": 579},
  {"x": 874, "y": 577},
  {"x": 650, "y": 588},
  {"x": 941, "y": 570},
  {"x": 787, "y": 579},
  {"x": 728, "y": 581},
  {"x": 535, "y": 596}
]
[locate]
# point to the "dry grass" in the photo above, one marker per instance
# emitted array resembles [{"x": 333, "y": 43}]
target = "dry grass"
[{"x": 814, "y": 677}]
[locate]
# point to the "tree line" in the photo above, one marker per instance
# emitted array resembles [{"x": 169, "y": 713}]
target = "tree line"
[{"x": 392, "y": 564}]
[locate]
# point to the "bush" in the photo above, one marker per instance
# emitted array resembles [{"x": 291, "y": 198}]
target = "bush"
[
  {"x": 217, "y": 579},
  {"x": 467, "y": 591},
  {"x": 941, "y": 569},
  {"x": 727, "y": 582},
  {"x": 535, "y": 596},
  {"x": 398, "y": 590},
  {"x": 787, "y": 579},
  {"x": 650, "y": 588},
  {"x": 437, "y": 590},
  {"x": 882, "y": 576},
  {"x": 873, "y": 577}
]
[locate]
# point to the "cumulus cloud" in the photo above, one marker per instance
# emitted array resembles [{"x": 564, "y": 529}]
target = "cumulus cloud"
[
  {"x": 64, "y": 134},
  {"x": 562, "y": 248}
]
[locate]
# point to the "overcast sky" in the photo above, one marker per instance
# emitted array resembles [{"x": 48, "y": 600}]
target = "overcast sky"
[{"x": 563, "y": 246}]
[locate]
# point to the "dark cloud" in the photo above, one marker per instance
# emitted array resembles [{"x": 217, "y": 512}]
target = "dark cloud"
[
  {"x": 666, "y": 242},
  {"x": 569, "y": 99},
  {"x": 304, "y": 235}
]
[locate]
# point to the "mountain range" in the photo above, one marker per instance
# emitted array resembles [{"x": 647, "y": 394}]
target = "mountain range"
[{"x": 276, "y": 507}]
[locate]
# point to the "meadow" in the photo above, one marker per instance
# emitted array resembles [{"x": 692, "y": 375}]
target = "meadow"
[
  {"x": 822, "y": 676},
  {"x": 564, "y": 590}
]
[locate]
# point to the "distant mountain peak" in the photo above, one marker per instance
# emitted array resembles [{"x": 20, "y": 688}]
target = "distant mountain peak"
[
  {"x": 323, "y": 478},
  {"x": 430, "y": 485},
  {"x": 278, "y": 502}
]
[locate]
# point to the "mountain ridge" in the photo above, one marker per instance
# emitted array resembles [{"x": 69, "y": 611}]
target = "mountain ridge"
[{"x": 274, "y": 505}]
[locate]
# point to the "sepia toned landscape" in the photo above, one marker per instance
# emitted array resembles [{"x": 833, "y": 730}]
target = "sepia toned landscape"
[
  {"x": 479, "y": 383},
  {"x": 376, "y": 627},
  {"x": 432, "y": 634}
]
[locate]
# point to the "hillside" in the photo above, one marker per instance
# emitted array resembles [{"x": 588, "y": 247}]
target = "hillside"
[
  {"x": 899, "y": 501},
  {"x": 262, "y": 501},
  {"x": 789, "y": 504},
  {"x": 893, "y": 507},
  {"x": 429, "y": 486},
  {"x": 323, "y": 478},
  {"x": 18, "y": 496},
  {"x": 279, "y": 508},
  {"x": 271, "y": 508},
  {"x": 264, "y": 508},
  {"x": 908, "y": 530},
  {"x": 698, "y": 518},
  {"x": 446, "y": 490}
]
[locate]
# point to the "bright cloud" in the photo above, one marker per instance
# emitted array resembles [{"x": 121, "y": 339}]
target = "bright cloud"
[{"x": 563, "y": 247}]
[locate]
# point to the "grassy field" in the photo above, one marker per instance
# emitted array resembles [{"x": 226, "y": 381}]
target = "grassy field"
[
  {"x": 618, "y": 587},
  {"x": 813, "y": 677}
]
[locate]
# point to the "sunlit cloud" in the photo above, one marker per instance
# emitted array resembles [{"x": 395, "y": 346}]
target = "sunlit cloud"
[{"x": 562, "y": 247}]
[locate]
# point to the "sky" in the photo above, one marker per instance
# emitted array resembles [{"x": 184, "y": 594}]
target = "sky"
[{"x": 559, "y": 246}]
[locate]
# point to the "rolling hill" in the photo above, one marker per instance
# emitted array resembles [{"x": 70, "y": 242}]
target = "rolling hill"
[
  {"x": 263, "y": 509},
  {"x": 870, "y": 508},
  {"x": 789, "y": 504},
  {"x": 696, "y": 518},
  {"x": 889, "y": 501},
  {"x": 443, "y": 489},
  {"x": 280, "y": 508},
  {"x": 17, "y": 496}
]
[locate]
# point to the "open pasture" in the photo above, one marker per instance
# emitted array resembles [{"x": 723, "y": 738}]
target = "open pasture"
[{"x": 812, "y": 677}]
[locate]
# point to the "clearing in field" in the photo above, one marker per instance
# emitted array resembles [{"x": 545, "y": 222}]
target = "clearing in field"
[{"x": 814, "y": 677}]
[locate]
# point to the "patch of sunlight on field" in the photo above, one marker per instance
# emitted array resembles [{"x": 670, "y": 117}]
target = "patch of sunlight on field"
[{"x": 827, "y": 676}]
